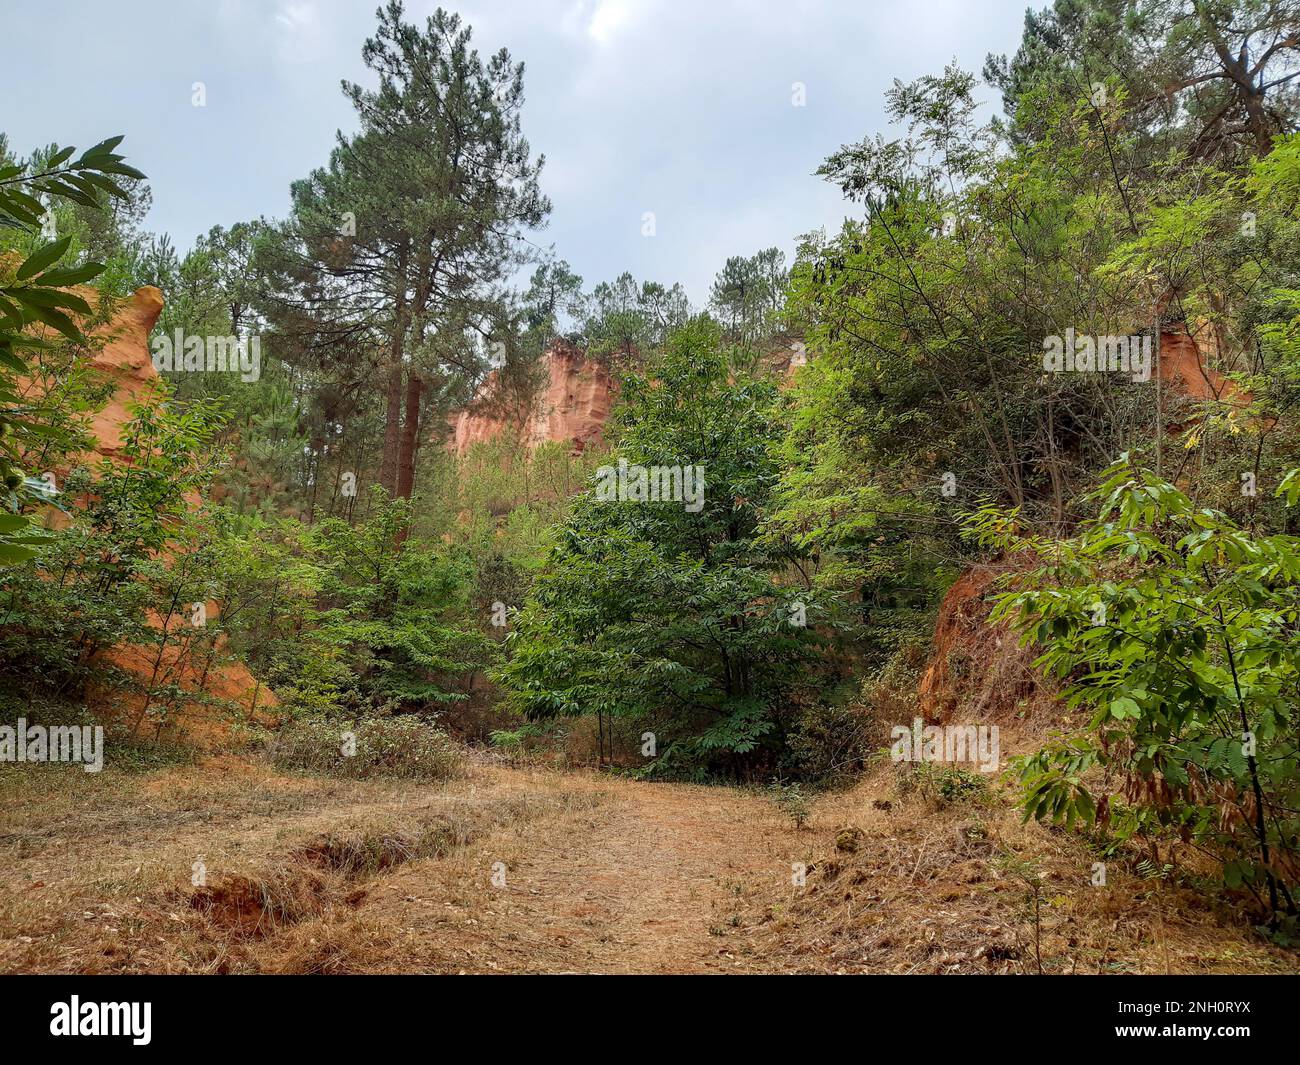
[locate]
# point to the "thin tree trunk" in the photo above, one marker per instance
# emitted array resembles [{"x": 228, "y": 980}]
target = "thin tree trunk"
[
  {"x": 410, "y": 438},
  {"x": 393, "y": 414},
  {"x": 392, "y": 423},
  {"x": 409, "y": 444}
]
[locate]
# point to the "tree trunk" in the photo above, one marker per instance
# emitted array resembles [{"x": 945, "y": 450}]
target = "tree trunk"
[
  {"x": 393, "y": 413},
  {"x": 392, "y": 424},
  {"x": 410, "y": 438}
]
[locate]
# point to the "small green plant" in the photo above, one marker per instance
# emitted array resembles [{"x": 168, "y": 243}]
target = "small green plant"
[
  {"x": 941, "y": 784},
  {"x": 954, "y": 786},
  {"x": 512, "y": 740},
  {"x": 1029, "y": 874},
  {"x": 791, "y": 801}
]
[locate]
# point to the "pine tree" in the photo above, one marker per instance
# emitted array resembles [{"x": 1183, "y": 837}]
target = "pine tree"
[{"x": 395, "y": 249}]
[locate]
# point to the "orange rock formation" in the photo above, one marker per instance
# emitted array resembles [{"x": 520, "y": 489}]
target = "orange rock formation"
[
  {"x": 571, "y": 408},
  {"x": 124, "y": 361},
  {"x": 575, "y": 403}
]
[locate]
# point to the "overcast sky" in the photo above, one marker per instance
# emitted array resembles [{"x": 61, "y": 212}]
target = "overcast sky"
[{"x": 679, "y": 107}]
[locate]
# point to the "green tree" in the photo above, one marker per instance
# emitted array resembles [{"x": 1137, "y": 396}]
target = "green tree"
[
  {"x": 396, "y": 623},
  {"x": 748, "y": 292},
  {"x": 1215, "y": 78},
  {"x": 675, "y": 618},
  {"x": 390, "y": 263},
  {"x": 627, "y": 320}
]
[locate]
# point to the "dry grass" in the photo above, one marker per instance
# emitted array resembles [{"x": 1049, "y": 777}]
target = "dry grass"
[
  {"x": 655, "y": 879},
  {"x": 98, "y": 868},
  {"x": 969, "y": 889},
  {"x": 526, "y": 870}
]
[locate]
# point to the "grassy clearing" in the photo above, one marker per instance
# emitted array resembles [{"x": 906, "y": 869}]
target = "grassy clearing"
[{"x": 98, "y": 869}]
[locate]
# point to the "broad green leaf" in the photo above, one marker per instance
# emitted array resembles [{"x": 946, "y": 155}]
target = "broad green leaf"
[{"x": 43, "y": 257}]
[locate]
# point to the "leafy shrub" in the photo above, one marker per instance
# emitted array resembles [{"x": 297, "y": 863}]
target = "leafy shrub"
[
  {"x": 1175, "y": 628},
  {"x": 891, "y": 693},
  {"x": 353, "y": 621},
  {"x": 95, "y": 580},
  {"x": 519, "y": 742},
  {"x": 942, "y": 785},
  {"x": 952, "y": 786},
  {"x": 831, "y": 743},
  {"x": 384, "y": 747},
  {"x": 791, "y": 801}
]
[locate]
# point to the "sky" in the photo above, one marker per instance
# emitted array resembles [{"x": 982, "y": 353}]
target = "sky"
[{"x": 682, "y": 108}]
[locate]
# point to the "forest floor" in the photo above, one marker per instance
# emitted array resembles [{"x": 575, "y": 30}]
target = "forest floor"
[{"x": 538, "y": 870}]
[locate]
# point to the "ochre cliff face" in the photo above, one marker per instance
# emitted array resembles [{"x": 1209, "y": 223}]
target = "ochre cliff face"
[
  {"x": 125, "y": 362},
  {"x": 574, "y": 403},
  {"x": 571, "y": 408},
  {"x": 1190, "y": 360}
]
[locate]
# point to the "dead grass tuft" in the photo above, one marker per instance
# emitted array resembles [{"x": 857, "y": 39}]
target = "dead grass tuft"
[
  {"x": 952, "y": 888},
  {"x": 259, "y": 908}
]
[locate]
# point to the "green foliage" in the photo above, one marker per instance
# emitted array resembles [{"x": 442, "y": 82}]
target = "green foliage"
[
  {"x": 831, "y": 742},
  {"x": 953, "y": 786},
  {"x": 790, "y": 799},
  {"x": 672, "y": 618},
  {"x": 624, "y": 318},
  {"x": 1223, "y": 71},
  {"x": 942, "y": 785},
  {"x": 926, "y": 390},
  {"x": 97, "y": 577},
  {"x": 1175, "y": 629},
  {"x": 38, "y": 294},
  {"x": 348, "y": 620},
  {"x": 335, "y": 619},
  {"x": 513, "y": 739},
  {"x": 747, "y": 294},
  {"x": 502, "y": 498},
  {"x": 389, "y": 616}
]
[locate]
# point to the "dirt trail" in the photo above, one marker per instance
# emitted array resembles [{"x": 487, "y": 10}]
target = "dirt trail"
[
  {"x": 652, "y": 880},
  {"x": 601, "y": 875}
]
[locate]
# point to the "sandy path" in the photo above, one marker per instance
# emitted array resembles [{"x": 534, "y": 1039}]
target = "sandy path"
[
  {"x": 655, "y": 879},
  {"x": 601, "y": 875}
]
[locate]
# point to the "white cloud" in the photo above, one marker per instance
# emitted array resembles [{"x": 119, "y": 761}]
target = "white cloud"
[
  {"x": 610, "y": 18},
  {"x": 296, "y": 17},
  {"x": 300, "y": 33}
]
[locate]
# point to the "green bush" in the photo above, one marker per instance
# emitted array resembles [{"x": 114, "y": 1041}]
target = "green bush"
[
  {"x": 1175, "y": 629},
  {"x": 942, "y": 785},
  {"x": 791, "y": 801},
  {"x": 830, "y": 743},
  {"x": 384, "y": 747}
]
